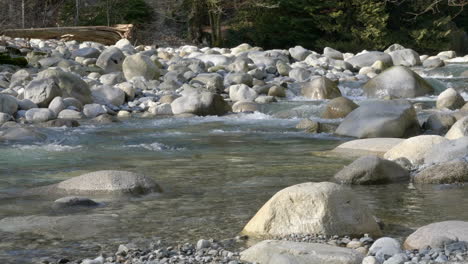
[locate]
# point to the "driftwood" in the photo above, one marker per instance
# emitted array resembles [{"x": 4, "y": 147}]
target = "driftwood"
[{"x": 101, "y": 34}]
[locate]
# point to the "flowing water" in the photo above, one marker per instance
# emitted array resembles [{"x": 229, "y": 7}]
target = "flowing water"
[{"x": 216, "y": 172}]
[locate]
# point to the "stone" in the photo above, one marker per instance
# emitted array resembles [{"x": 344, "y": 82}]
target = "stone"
[
  {"x": 112, "y": 78},
  {"x": 161, "y": 109},
  {"x": 108, "y": 182},
  {"x": 378, "y": 146},
  {"x": 167, "y": 99},
  {"x": 277, "y": 91},
  {"x": 439, "y": 123},
  {"x": 299, "y": 53},
  {"x": 242, "y": 92},
  {"x": 202, "y": 104},
  {"x": 312, "y": 208},
  {"x": 202, "y": 243},
  {"x": 111, "y": 60},
  {"x": 405, "y": 57},
  {"x": 445, "y": 173},
  {"x": 458, "y": 130},
  {"x": 450, "y": 99},
  {"x": 87, "y": 52},
  {"x": 397, "y": 82},
  {"x": 21, "y": 134},
  {"x": 332, "y": 53},
  {"x": 74, "y": 201},
  {"x": 107, "y": 119},
  {"x": 70, "y": 114},
  {"x": 300, "y": 74},
  {"x": 371, "y": 170},
  {"x": 215, "y": 59},
  {"x": 369, "y": 58},
  {"x": 414, "y": 149},
  {"x": 37, "y": 115},
  {"x": 339, "y": 107},
  {"x": 384, "y": 248},
  {"x": 238, "y": 78},
  {"x": 42, "y": 91},
  {"x": 8, "y": 104},
  {"x": 320, "y": 88},
  {"x": 213, "y": 82},
  {"x": 57, "y": 105},
  {"x": 61, "y": 123},
  {"x": 93, "y": 110},
  {"x": 26, "y": 104},
  {"x": 436, "y": 235},
  {"x": 265, "y": 99},
  {"x": 140, "y": 65},
  {"x": 370, "y": 260},
  {"x": 125, "y": 45},
  {"x": 69, "y": 84},
  {"x": 283, "y": 68},
  {"x": 381, "y": 118},
  {"x": 288, "y": 252},
  {"x": 434, "y": 62},
  {"x": 447, "y": 151},
  {"x": 106, "y": 94},
  {"x": 400, "y": 258},
  {"x": 4, "y": 117},
  {"x": 20, "y": 78},
  {"x": 242, "y": 106},
  {"x": 128, "y": 89},
  {"x": 71, "y": 102},
  {"x": 394, "y": 47}
]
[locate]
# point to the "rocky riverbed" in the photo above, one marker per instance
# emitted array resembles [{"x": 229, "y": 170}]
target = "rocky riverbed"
[{"x": 304, "y": 157}]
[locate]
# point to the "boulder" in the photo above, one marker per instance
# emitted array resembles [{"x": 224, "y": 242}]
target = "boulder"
[
  {"x": 21, "y": 134},
  {"x": 458, "y": 130},
  {"x": 112, "y": 78},
  {"x": 37, "y": 115},
  {"x": 436, "y": 235},
  {"x": 371, "y": 170},
  {"x": 405, "y": 57},
  {"x": 445, "y": 173},
  {"x": 312, "y": 208},
  {"x": 70, "y": 114},
  {"x": 447, "y": 151},
  {"x": 69, "y": 84},
  {"x": 93, "y": 110},
  {"x": 300, "y": 74},
  {"x": 378, "y": 146},
  {"x": 439, "y": 123},
  {"x": 369, "y": 58},
  {"x": 106, "y": 94},
  {"x": 339, "y": 107},
  {"x": 42, "y": 91},
  {"x": 111, "y": 60},
  {"x": 320, "y": 88},
  {"x": 397, "y": 82},
  {"x": 161, "y": 109},
  {"x": 385, "y": 248},
  {"x": 26, "y": 104},
  {"x": 381, "y": 118},
  {"x": 450, "y": 99},
  {"x": 242, "y": 106},
  {"x": 212, "y": 81},
  {"x": 107, "y": 182},
  {"x": 20, "y": 78},
  {"x": 332, "y": 53},
  {"x": 299, "y": 53},
  {"x": 238, "y": 78},
  {"x": 140, "y": 65},
  {"x": 8, "y": 104},
  {"x": 434, "y": 62},
  {"x": 202, "y": 104},
  {"x": 288, "y": 252},
  {"x": 414, "y": 149},
  {"x": 242, "y": 92},
  {"x": 278, "y": 91},
  {"x": 394, "y": 47},
  {"x": 71, "y": 102},
  {"x": 57, "y": 105},
  {"x": 86, "y": 53}
]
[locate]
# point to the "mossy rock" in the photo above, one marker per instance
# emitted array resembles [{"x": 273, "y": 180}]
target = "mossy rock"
[{"x": 18, "y": 61}]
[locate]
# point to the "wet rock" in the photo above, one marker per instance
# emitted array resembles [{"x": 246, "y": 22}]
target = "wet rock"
[
  {"x": 397, "y": 82},
  {"x": 69, "y": 84},
  {"x": 105, "y": 119},
  {"x": 405, "y": 57},
  {"x": 71, "y": 102},
  {"x": 240, "y": 107},
  {"x": 434, "y": 62},
  {"x": 369, "y": 58},
  {"x": 320, "y": 88},
  {"x": 57, "y": 105},
  {"x": 439, "y": 123},
  {"x": 458, "y": 130},
  {"x": 299, "y": 53},
  {"x": 332, "y": 53},
  {"x": 447, "y": 151},
  {"x": 70, "y": 114},
  {"x": 161, "y": 109},
  {"x": 450, "y": 99},
  {"x": 93, "y": 110},
  {"x": 445, "y": 173},
  {"x": 414, "y": 149},
  {"x": 61, "y": 123},
  {"x": 8, "y": 104},
  {"x": 212, "y": 81},
  {"x": 339, "y": 107},
  {"x": 242, "y": 92},
  {"x": 385, "y": 248},
  {"x": 202, "y": 104},
  {"x": 312, "y": 208},
  {"x": 106, "y": 94},
  {"x": 273, "y": 251},
  {"x": 37, "y": 115},
  {"x": 277, "y": 91},
  {"x": 26, "y": 104},
  {"x": 371, "y": 170},
  {"x": 396, "y": 118},
  {"x": 366, "y": 146},
  {"x": 436, "y": 235},
  {"x": 74, "y": 201},
  {"x": 21, "y": 134}
]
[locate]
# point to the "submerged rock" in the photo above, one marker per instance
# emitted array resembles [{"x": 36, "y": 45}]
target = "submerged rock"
[
  {"x": 74, "y": 201},
  {"x": 21, "y": 134}
]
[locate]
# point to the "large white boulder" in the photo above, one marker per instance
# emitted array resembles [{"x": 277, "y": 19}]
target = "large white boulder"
[{"x": 414, "y": 149}]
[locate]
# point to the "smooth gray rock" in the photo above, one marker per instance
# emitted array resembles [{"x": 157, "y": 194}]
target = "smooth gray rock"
[
  {"x": 26, "y": 104},
  {"x": 202, "y": 104},
  {"x": 111, "y": 60},
  {"x": 37, "y": 115},
  {"x": 436, "y": 235},
  {"x": 21, "y": 134},
  {"x": 241, "y": 92},
  {"x": 439, "y": 123},
  {"x": 371, "y": 170},
  {"x": 367, "y": 59},
  {"x": 450, "y": 99},
  {"x": 384, "y": 248},
  {"x": 380, "y": 118},
  {"x": 447, "y": 151},
  {"x": 69, "y": 84},
  {"x": 93, "y": 110},
  {"x": 397, "y": 82},
  {"x": 234, "y": 78},
  {"x": 213, "y": 82},
  {"x": 42, "y": 91},
  {"x": 339, "y": 107},
  {"x": 299, "y": 53},
  {"x": 86, "y": 53},
  {"x": 72, "y": 102},
  {"x": 8, "y": 104},
  {"x": 57, "y": 105},
  {"x": 458, "y": 130},
  {"x": 70, "y": 114},
  {"x": 455, "y": 171},
  {"x": 405, "y": 57},
  {"x": 106, "y": 94},
  {"x": 320, "y": 88},
  {"x": 74, "y": 201},
  {"x": 140, "y": 65},
  {"x": 288, "y": 252},
  {"x": 332, "y": 53}
]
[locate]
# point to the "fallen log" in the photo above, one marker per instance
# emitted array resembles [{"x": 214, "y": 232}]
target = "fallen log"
[{"x": 102, "y": 34}]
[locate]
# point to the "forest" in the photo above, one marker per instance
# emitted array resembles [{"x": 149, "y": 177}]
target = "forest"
[{"x": 351, "y": 25}]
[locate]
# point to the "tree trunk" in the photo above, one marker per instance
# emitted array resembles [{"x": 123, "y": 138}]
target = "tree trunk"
[
  {"x": 77, "y": 15},
  {"x": 22, "y": 13}
]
